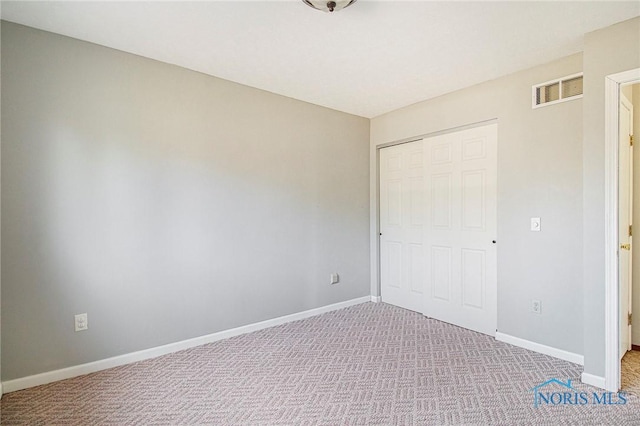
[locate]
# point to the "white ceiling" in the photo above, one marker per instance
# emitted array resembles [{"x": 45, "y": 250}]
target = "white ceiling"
[{"x": 368, "y": 59}]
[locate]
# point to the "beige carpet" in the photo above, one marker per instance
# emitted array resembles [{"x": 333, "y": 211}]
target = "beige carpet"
[
  {"x": 630, "y": 380},
  {"x": 371, "y": 364}
]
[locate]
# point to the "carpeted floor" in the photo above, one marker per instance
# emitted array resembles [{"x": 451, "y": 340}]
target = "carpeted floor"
[
  {"x": 630, "y": 377},
  {"x": 371, "y": 364}
]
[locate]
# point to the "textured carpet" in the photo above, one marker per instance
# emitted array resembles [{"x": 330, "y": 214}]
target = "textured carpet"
[
  {"x": 371, "y": 364},
  {"x": 630, "y": 377}
]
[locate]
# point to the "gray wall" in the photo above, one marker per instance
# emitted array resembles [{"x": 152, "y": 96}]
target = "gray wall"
[
  {"x": 539, "y": 175},
  {"x": 165, "y": 203},
  {"x": 607, "y": 51}
]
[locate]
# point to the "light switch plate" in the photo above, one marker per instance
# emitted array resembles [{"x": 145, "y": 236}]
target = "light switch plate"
[{"x": 535, "y": 224}]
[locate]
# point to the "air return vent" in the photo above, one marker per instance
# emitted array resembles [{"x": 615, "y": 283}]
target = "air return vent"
[{"x": 555, "y": 91}]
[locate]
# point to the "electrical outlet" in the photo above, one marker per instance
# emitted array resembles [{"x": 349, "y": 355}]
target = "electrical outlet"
[
  {"x": 82, "y": 322},
  {"x": 335, "y": 278},
  {"x": 536, "y": 306}
]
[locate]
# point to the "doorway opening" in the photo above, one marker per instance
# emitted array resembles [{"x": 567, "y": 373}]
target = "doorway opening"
[
  {"x": 618, "y": 224},
  {"x": 628, "y": 258}
]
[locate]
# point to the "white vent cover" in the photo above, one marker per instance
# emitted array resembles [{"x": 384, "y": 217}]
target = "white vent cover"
[{"x": 556, "y": 91}]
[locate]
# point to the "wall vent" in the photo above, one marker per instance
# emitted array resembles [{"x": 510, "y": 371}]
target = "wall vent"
[{"x": 555, "y": 91}]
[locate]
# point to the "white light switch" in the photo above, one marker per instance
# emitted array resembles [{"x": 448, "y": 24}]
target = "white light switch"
[
  {"x": 535, "y": 223},
  {"x": 335, "y": 278}
]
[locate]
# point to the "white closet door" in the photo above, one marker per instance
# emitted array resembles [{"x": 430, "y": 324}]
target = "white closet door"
[
  {"x": 460, "y": 217},
  {"x": 401, "y": 223}
]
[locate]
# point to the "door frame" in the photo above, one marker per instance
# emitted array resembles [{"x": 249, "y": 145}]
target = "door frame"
[
  {"x": 374, "y": 213},
  {"x": 613, "y": 83}
]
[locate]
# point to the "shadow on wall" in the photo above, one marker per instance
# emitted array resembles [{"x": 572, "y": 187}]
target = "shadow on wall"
[{"x": 164, "y": 203}]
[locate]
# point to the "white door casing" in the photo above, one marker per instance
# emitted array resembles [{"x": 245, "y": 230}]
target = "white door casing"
[
  {"x": 460, "y": 232},
  {"x": 611, "y": 302},
  {"x": 401, "y": 222},
  {"x": 625, "y": 212}
]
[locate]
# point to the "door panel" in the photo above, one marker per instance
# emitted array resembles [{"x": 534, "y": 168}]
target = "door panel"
[
  {"x": 473, "y": 275},
  {"x": 441, "y": 268},
  {"x": 394, "y": 263},
  {"x": 401, "y": 222},
  {"x": 473, "y": 197},
  {"x": 460, "y": 228},
  {"x": 416, "y": 268},
  {"x": 394, "y": 202},
  {"x": 441, "y": 201}
]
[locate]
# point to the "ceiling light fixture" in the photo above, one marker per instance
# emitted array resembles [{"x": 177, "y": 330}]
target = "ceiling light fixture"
[{"x": 329, "y": 6}]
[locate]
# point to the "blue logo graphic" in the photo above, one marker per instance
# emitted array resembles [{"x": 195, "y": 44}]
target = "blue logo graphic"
[{"x": 557, "y": 392}]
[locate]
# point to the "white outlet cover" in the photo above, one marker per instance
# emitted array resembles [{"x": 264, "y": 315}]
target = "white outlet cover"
[
  {"x": 81, "y": 322},
  {"x": 536, "y": 306}
]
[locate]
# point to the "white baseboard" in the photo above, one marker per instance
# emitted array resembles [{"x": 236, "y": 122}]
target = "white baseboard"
[
  {"x": 92, "y": 367},
  {"x": 1, "y": 393},
  {"x": 592, "y": 380},
  {"x": 543, "y": 349},
  {"x": 376, "y": 299}
]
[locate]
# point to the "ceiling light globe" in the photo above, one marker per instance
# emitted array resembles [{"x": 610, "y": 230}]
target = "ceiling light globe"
[{"x": 329, "y": 6}]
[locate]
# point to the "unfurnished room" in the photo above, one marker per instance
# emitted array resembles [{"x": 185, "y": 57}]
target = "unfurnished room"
[{"x": 312, "y": 212}]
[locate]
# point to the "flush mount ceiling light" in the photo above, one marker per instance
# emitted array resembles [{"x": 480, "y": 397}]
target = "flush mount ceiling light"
[{"x": 329, "y": 6}]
